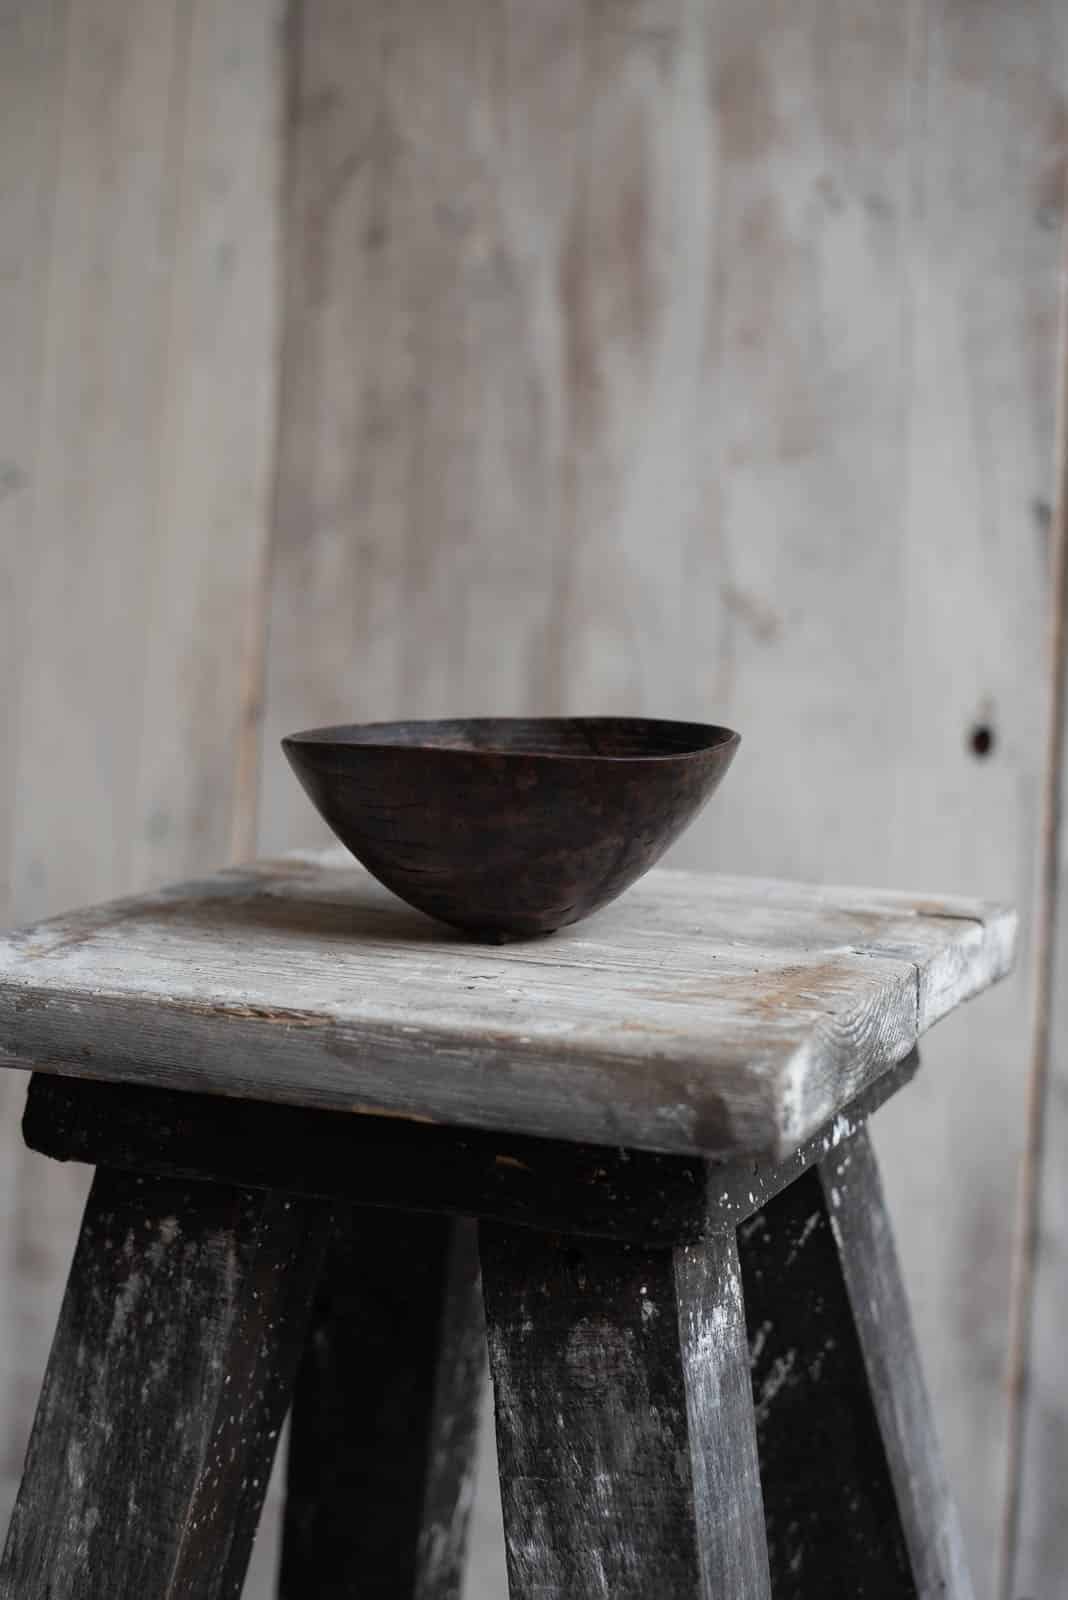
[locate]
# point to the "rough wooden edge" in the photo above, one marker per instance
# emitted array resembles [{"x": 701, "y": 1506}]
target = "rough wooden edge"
[
  {"x": 764, "y": 1108},
  {"x": 806, "y": 1099},
  {"x": 397, "y": 1165}
]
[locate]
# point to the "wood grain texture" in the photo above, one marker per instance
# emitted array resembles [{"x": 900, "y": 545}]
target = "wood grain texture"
[
  {"x": 690, "y": 358},
  {"x": 385, "y": 1413},
  {"x": 510, "y": 828},
  {"x": 854, "y": 1206},
  {"x": 417, "y": 481},
  {"x": 855, "y": 1493},
  {"x": 1034, "y": 1553},
  {"x": 137, "y": 309},
  {"x": 980, "y": 404},
  {"x": 104, "y": 370},
  {"x": 146, "y": 544},
  {"x": 31, "y": 75},
  {"x": 887, "y": 308},
  {"x": 724, "y": 314},
  {"x": 32, "y": 65},
  {"x": 1036, "y": 1507},
  {"x": 167, "y": 1385},
  {"x": 641, "y": 1470},
  {"x": 792, "y": 564},
  {"x": 700, "y": 1014},
  {"x": 84, "y": 553},
  {"x": 193, "y": 797},
  {"x": 829, "y": 1506}
]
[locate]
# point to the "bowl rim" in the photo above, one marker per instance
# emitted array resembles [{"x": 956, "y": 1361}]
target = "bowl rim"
[{"x": 709, "y": 737}]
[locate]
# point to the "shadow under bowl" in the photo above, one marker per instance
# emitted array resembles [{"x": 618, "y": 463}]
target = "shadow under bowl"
[{"x": 510, "y": 827}]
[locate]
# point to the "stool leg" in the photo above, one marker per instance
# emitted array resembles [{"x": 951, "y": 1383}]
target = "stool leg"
[
  {"x": 383, "y": 1439},
  {"x": 854, "y": 1492},
  {"x": 168, "y": 1381},
  {"x": 624, "y": 1419}
]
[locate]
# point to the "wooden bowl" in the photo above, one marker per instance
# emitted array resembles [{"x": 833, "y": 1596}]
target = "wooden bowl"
[{"x": 510, "y": 827}]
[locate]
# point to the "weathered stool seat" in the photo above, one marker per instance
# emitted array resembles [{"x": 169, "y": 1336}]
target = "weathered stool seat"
[{"x": 314, "y": 1114}]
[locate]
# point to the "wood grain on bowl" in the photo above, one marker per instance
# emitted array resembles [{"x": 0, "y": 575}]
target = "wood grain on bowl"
[{"x": 511, "y": 827}]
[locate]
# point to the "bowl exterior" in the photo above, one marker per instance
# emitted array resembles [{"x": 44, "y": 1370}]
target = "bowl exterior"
[{"x": 501, "y": 844}]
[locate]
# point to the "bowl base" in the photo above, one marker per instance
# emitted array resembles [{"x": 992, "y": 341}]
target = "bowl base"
[{"x": 500, "y": 935}]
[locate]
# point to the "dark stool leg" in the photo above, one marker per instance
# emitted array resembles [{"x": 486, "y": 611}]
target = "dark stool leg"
[
  {"x": 168, "y": 1381},
  {"x": 624, "y": 1419},
  {"x": 854, "y": 1493},
  {"x": 385, "y": 1415}
]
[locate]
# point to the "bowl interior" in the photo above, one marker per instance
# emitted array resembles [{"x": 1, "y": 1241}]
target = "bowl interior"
[{"x": 567, "y": 738}]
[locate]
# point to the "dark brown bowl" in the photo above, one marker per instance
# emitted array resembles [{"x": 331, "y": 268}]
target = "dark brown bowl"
[{"x": 510, "y": 827}]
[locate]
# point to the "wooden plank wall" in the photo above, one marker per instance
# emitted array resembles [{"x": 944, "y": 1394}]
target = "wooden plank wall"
[
  {"x": 648, "y": 355},
  {"x": 138, "y": 316}
]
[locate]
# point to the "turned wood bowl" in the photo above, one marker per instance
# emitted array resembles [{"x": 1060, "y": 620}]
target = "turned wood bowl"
[{"x": 510, "y": 827}]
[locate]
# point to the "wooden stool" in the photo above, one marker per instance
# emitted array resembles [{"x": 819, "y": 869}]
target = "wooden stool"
[{"x": 297, "y": 1093}]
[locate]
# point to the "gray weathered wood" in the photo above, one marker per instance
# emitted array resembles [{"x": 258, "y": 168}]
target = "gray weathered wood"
[
  {"x": 744, "y": 314},
  {"x": 829, "y": 1505},
  {"x": 32, "y": 62},
  {"x": 150, "y": 461},
  {"x": 861, "y": 1227},
  {"x": 1034, "y": 1542},
  {"x": 31, "y": 75},
  {"x": 387, "y": 1390},
  {"x": 423, "y": 223},
  {"x": 93, "y": 368},
  {"x": 986, "y": 258},
  {"x": 703, "y": 1014},
  {"x": 855, "y": 1495},
  {"x": 167, "y": 1385},
  {"x": 385, "y": 1410},
  {"x": 137, "y": 313},
  {"x": 193, "y": 792},
  {"x": 625, "y": 1433},
  {"x": 1033, "y": 1555},
  {"x": 104, "y": 373},
  {"x": 808, "y": 270}
]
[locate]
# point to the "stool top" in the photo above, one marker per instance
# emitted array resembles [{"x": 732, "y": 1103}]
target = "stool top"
[{"x": 707, "y": 1014}]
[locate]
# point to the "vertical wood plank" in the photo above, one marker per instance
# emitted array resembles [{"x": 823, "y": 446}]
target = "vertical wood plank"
[
  {"x": 138, "y": 315},
  {"x": 169, "y": 1378},
  {"x": 402, "y": 302},
  {"x": 96, "y": 453},
  {"x": 153, "y": 450},
  {"x": 1033, "y": 1549},
  {"x": 855, "y": 1494},
  {"x": 981, "y": 402},
  {"x": 32, "y": 45},
  {"x": 90, "y": 542},
  {"x": 731, "y": 1532},
  {"x": 794, "y": 565},
  {"x": 636, "y": 286},
  {"x": 854, "y": 1205},
  {"x": 194, "y": 795},
  {"x": 32, "y": 40},
  {"x": 832, "y": 1518},
  {"x": 1035, "y": 1555},
  {"x": 462, "y": 374},
  {"x": 624, "y": 1408}
]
